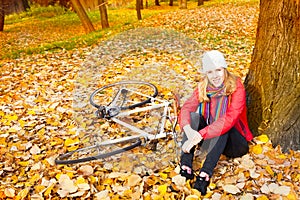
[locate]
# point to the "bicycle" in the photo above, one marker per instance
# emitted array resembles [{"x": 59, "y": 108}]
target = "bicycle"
[{"x": 117, "y": 100}]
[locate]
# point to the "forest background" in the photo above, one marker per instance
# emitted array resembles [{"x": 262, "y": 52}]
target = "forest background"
[{"x": 43, "y": 49}]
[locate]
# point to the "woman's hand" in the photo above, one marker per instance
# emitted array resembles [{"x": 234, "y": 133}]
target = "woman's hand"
[
  {"x": 190, "y": 133},
  {"x": 193, "y": 136}
]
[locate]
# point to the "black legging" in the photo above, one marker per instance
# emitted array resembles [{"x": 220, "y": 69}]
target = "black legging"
[{"x": 232, "y": 144}]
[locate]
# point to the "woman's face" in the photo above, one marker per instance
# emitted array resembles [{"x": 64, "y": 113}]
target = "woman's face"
[{"x": 216, "y": 76}]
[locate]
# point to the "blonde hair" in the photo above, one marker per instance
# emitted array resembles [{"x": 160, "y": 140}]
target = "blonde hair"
[{"x": 229, "y": 83}]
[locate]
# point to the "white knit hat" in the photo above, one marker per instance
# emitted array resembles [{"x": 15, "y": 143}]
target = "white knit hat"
[{"x": 212, "y": 60}]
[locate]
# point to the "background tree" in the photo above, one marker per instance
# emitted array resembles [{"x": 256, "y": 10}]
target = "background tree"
[
  {"x": 85, "y": 20},
  {"x": 157, "y": 2},
  {"x": 103, "y": 13},
  {"x": 183, "y": 4},
  {"x": 9, "y": 7},
  {"x": 15, "y": 6},
  {"x": 2, "y": 15},
  {"x": 138, "y": 9},
  {"x": 273, "y": 82},
  {"x": 200, "y": 2}
]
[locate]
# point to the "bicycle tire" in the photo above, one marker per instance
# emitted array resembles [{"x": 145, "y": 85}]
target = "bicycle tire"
[
  {"x": 146, "y": 88},
  {"x": 66, "y": 157}
]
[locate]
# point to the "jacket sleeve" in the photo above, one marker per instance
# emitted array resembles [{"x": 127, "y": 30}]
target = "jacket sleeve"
[
  {"x": 230, "y": 118},
  {"x": 189, "y": 106}
]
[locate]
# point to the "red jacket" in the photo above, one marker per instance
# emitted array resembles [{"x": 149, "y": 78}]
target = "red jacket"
[{"x": 235, "y": 116}]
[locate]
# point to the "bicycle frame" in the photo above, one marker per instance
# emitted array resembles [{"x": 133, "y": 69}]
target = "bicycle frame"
[{"x": 141, "y": 133}]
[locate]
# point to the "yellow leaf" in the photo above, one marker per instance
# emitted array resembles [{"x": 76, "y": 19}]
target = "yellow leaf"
[
  {"x": 93, "y": 179},
  {"x": 164, "y": 176},
  {"x": 72, "y": 148},
  {"x": 279, "y": 177},
  {"x": 71, "y": 141},
  {"x": 269, "y": 170},
  {"x": 257, "y": 149},
  {"x": 24, "y": 163},
  {"x": 147, "y": 196},
  {"x": 162, "y": 189},
  {"x": 282, "y": 156},
  {"x": 12, "y": 130},
  {"x": 41, "y": 132},
  {"x": 80, "y": 180},
  {"x": 292, "y": 196},
  {"x": 212, "y": 186},
  {"x": 127, "y": 193},
  {"x": 263, "y": 138},
  {"x": 22, "y": 123},
  {"x": 11, "y": 117},
  {"x": 3, "y": 141},
  {"x": 39, "y": 188},
  {"x": 192, "y": 197},
  {"x": 49, "y": 189},
  {"x": 31, "y": 112},
  {"x": 263, "y": 197},
  {"x": 23, "y": 193}
]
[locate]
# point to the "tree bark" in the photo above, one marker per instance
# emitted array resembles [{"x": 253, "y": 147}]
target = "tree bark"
[
  {"x": 273, "y": 81},
  {"x": 103, "y": 14},
  {"x": 2, "y": 15},
  {"x": 85, "y": 20},
  {"x": 200, "y": 2},
  {"x": 15, "y": 6},
  {"x": 138, "y": 9},
  {"x": 183, "y": 4}
]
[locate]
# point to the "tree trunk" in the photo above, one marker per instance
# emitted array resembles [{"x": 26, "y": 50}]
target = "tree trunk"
[
  {"x": 171, "y": 3},
  {"x": 157, "y": 2},
  {"x": 273, "y": 81},
  {"x": 183, "y": 4},
  {"x": 200, "y": 2},
  {"x": 103, "y": 14},
  {"x": 63, "y": 3},
  {"x": 138, "y": 9},
  {"x": 85, "y": 20},
  {"x": 15, "y": 6},
  {"x": 2, "y": 15}
]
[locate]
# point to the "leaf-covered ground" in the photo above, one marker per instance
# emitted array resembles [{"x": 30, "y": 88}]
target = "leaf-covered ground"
[{"x": 38, "y": 120}]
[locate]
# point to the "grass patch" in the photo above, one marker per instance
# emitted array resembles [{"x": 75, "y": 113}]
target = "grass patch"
[{"x": 52, "y": 28}]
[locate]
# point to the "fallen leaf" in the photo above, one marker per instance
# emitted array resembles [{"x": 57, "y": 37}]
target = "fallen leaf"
[
  {"x": 133, "y": 180},
  {"x": 86, "y": 170},
  {"x": 179, "y": 180},
  {"x": 192, "y": 197},
  {"x": 232, "y": 189},
  {"x": 162, "y": 189},
  {"x": 263, "y": 138},
  {"x": 66, "y": 185},
  {"x": 9, "y": 192},
  {"x": 282, "y": 190}
]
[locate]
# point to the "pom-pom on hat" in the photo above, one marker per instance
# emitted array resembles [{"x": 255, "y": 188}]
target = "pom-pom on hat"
[{"x": 212, "y": 60}]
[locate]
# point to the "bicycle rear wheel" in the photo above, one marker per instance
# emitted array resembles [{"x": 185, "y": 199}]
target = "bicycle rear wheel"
[
  {"x": 99, "y": 151},
  {"x": 124, "y": 94}
]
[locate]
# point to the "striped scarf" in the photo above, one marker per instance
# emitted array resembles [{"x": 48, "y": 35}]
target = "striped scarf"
[{"x": 222, "y": 102}]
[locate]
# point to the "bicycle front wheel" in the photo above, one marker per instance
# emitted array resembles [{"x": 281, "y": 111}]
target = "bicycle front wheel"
[
  {"x": 99, "y": 151},
  {"x": 124, "y": 94}
]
